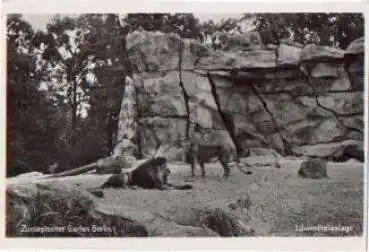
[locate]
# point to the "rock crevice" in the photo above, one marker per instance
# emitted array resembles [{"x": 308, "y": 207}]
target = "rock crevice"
[
  {"x": 336, "y": 115},
  {"x": 276, "y": 125},
  {"x": 186, "y": 97},
  {"x": 227, "y": 121}
]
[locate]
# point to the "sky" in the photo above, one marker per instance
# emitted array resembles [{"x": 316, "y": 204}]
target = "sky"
[{"x": 39, "y": 21}]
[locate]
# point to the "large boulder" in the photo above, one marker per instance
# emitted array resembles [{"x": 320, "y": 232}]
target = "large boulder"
[
  {"x": 241, "y": 60},
  {"x": 348, "y": 153},
  {"x": 320, "y": 130},
  {"x": 155, "y": 132},
  {"x": 199, "y": 89},
  {"x": 356, "y": 46},
  {"x": 354, "y": 122},
  {"x": 354, "y": 61},
  {"x": 153, "y": 51},
  {"x": 160, "y": 95},
  {"x": 331, "y": 150},
  {"x": 314, "y": 52},
  {"x": 313, "y": 168},
  {"x": 325, "y": 70},
  {"x": 341, "y": 84},
  {"x": 215, "y": 60},
  {"x": 343, "y": 103},
  {"x": 289, "y": 55}
]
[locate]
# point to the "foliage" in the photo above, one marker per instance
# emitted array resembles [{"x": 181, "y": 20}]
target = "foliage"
[
  {"x": 184, "y": 24},
  {"x": 110, "y": 75},
  {"x": 85, "y": 57},
  {"x": 318, "y": 28},
  {"x": 29, "y": 112},
  {"x": 63, "y": 214},
  {"x": 210, "y": 29}
]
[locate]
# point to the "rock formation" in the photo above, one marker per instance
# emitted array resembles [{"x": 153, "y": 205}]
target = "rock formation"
[
  {"x": 60, "y": 206},
  {"x": 127, "y": 128},
  {"x": 290, "y": 98},
  {"x": 313, "y": 168}
]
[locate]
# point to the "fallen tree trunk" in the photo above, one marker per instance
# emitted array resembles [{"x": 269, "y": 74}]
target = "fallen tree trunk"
[
  {"x": 108, "y": 165},
  {"x": 147, "y": 173},
  {"x": 76, "y": 176}
]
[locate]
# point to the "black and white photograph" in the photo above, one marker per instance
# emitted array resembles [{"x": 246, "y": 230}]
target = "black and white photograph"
[{"x": 185, "y": 124}]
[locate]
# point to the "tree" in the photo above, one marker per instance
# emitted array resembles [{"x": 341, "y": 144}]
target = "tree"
[
  {"x": 208, "y": 28},
  {"x": 72, "y": 49},
  {"x": 30, "y": 128},
  {"x": 184, "y": 24},
  {"x": 105, "y": 93},
  {"x": 227, "y": 24},
  {"x": 218, "y": 33},
  {"x": 318, "y": 28},
  {"x": 66, "y": 57}
]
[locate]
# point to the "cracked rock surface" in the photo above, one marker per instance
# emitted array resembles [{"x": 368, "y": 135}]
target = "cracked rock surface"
[{"x": 289, "y": 98}]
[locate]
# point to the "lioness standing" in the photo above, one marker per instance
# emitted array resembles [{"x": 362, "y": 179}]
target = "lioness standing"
[{"x": 202, "y": 148}]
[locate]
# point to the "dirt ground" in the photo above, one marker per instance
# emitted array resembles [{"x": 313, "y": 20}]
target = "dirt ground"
[{"x": 282, "y": 203}]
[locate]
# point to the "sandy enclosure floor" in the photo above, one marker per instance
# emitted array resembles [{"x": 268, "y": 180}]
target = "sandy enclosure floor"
[{"x": 281, "y": 201}]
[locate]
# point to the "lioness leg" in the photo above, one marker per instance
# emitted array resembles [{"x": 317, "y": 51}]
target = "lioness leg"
[
  {"x": 225, "y": 168},
  {"x": 203, "y": 172},
  {"x": 193, "y": 166}
]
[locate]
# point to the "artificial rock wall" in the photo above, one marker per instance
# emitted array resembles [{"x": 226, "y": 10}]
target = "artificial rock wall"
[{"x": 298, "y": 100}]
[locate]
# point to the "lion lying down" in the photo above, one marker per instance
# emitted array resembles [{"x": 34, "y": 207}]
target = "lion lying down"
[{"x": 152, "y": 174}]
